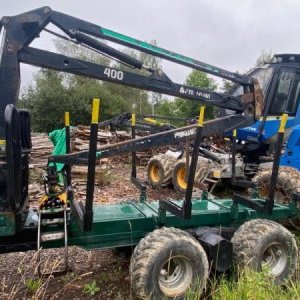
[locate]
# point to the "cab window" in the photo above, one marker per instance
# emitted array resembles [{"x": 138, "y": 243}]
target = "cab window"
[{"x": 286, "y": 97}]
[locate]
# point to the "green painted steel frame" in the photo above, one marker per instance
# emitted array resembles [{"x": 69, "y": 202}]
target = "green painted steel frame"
[{"x": 124, "y": 224}]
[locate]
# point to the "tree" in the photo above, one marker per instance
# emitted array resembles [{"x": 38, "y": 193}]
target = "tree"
[
  {"x": 264, "y": 57},
  {"x": 190, "y": 109},
  {"x": 47, "y": 101},
  {"x": 154, "y": 63},
  {"x": 227, "y": 86}
]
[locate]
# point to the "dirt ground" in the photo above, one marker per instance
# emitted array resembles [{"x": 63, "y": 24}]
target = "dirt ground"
[{"x": 96, "y": 274}]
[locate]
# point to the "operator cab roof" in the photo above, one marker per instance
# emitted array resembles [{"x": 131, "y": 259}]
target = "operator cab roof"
[{"x": 286, "y": 59}]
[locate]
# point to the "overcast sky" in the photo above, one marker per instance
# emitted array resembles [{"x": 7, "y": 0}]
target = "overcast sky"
[{"x": 226, "y": 33}]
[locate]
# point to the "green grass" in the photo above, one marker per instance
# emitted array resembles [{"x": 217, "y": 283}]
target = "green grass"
[
  {"x": 250, "y": 285},
  {"x": 91, "y": 288},
  {"x": 33, "y": 284}
]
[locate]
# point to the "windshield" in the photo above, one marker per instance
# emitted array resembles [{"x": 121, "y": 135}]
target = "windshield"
[{"x": 263, "y": 77}]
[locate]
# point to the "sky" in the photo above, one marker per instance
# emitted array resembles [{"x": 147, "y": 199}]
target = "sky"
[{"x": 226, "y": 33}]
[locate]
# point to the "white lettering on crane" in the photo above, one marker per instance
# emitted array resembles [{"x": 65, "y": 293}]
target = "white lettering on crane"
[
  {"x": 190, "y": 92},
  {"x": 185, "y": 133}
]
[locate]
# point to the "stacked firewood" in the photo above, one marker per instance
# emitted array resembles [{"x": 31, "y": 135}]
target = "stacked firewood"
[
  {"x": 42, "y": 147},
  {"x": 81, "y": 135}
]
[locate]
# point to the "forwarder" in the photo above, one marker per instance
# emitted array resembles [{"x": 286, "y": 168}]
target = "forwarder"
[{"x": 176, "y": 242}]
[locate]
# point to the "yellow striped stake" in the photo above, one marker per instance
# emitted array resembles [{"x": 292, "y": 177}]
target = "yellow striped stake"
[
  {"x": 201, "y": 116},
  {"x": 95, "y": 111},
  {"x": 67, "y": 118},
  {"x": 133, "y": 120},
  {"x": 234, "y": 133},
  {"x": 283, "y": 121}
]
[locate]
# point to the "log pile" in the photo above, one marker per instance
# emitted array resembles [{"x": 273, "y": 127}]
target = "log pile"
[
  {"x": 80, "y": 137},
  {"x": 42, "y": 147}
]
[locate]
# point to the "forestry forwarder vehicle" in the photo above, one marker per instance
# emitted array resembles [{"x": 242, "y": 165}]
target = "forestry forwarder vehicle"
[
  {"x": 254, "y": 144},
  {"x": 175, "y": 242}
]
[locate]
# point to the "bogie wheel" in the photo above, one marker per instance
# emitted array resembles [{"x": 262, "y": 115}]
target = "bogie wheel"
[
  {"x": 179, "y": 177},
  {"x": 264, "y": 244},
  {"x": 159, "y": 170},
  {"x": 166, "y": 264},
  {"x": 179, "y": 174},
  {"x": 288, "y": 182}
]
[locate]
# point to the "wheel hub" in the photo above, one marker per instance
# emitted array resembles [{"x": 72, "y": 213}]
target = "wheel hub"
[
  {"x": 275, "y": 259},
  {"x": 181, "y": 178},
  {"x": 155, "y": 173},
  {"x": 175, "y": 276}
]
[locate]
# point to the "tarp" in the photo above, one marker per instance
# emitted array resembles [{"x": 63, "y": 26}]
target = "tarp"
[{"x": 58, "y": 138}]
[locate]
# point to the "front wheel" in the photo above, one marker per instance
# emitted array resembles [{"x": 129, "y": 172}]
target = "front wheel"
[{"x": 168, "y": 263}]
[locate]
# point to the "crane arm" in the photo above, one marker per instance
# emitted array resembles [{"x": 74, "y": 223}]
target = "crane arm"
[{"x": 19, "y": 31}]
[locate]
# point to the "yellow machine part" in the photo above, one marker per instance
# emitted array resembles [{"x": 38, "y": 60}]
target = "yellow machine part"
[
  {"x": 62, "y": 197},
  {"x": 154, "y": 173},
  {"x": 181, "y": 177},
  {"x": 43, "y": 200}
]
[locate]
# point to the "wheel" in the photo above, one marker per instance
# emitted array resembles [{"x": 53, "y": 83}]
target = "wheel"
[
  {"x": 260, "y": 244},
  {"x": 159, "y": 170},
  {"x": 288, "y": 182},
  {"x": 179, "y": 174},
  {"x": 179, "y": 177},
  {"x": 166, "y": 264}
]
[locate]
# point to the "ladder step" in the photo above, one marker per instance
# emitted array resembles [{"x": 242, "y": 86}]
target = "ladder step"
[
  {"x": 56, "y": 213},
  {"x": 52, "y": 236},
  {"x": 57, "y": 218},
  {"x": 52, "y": 222},
  {"x": 54, "y": 210}
]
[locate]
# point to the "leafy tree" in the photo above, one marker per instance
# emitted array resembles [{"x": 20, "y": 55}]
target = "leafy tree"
[
  {"x": 227, "y": 86},
  {"x": 166, "y": 108},
  {"x": 47, "y": 100}
]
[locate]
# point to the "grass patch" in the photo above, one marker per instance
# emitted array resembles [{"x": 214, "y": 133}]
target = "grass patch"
[
  {"x": 33, "y": 284},
  {"x": 249, "y": 285},
  {"x": 91, "y": 288}
]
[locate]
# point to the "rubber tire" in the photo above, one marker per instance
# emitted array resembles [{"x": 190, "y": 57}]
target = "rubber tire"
[
  {"x": 165, "y": 164},
  {"x": 177, "y": 187},
  {"x": 252, "y": 238},
  {"x": 152, "y": 252},
  {"x": 201, "y": 171},
  {"x": 288, "y": 182}
]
